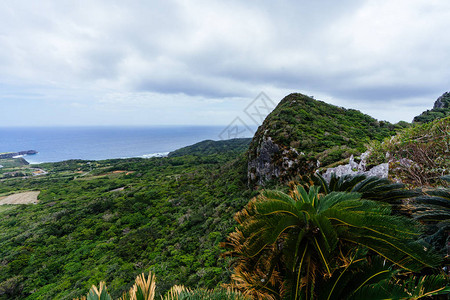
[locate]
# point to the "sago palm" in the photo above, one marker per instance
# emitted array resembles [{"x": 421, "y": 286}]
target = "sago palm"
[
  {"x": 412, "y": 288},
  {"x": 143, "y": 289},
  {"x": 370, "y": 188},
  {"x": 433, "y": 209},
  {"x": 285, "y": 242}
]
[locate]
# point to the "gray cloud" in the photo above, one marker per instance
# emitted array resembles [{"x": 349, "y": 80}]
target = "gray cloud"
[{"x": 348, "y": 52}]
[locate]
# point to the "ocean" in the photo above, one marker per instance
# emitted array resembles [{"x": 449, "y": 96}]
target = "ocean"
[{"x": 97, "y": 143}]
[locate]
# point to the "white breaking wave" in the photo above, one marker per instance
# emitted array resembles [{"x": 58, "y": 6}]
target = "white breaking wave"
[{"x": 159, "y": 154}]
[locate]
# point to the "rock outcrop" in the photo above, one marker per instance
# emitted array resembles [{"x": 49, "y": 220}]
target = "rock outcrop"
[
  {"x": 441, "y": 109},
  {"x": 273, "y": 161},
  {"x": 353, "y": 168},
  {"x": 12, "y": 154},
  {"x": 443, "y": 101},
  {"x": 262, "y": 168},
  {"x": 301, "y": 131}
]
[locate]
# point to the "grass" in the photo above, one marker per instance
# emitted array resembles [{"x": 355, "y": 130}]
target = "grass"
[
  {"x": 13, "y": 162},
  {"x": 4, "y": 208}
]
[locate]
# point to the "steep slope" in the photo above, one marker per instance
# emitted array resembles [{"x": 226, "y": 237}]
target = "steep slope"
[
  {"x": 417, "y": 156},
  {"x": 441, "y": 109},
  {"x": 302, "y": 133}
]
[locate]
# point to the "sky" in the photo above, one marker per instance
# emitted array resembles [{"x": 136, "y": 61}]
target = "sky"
[{"x": 106, "y": 62}]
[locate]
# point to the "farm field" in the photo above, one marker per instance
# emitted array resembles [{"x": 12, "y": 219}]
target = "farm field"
[{"x": 21, "y": 198}]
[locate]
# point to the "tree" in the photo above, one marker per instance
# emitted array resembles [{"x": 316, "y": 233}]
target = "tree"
[{"x": 286, "y": 243}]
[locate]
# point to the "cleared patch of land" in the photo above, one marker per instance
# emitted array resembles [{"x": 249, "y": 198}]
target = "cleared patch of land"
[
  {"x": 21, "y": 198},
  {"x": 118, "y": 189}
]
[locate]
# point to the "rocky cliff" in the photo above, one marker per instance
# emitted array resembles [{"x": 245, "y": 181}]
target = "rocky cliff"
[
  {"x": 443, "y": 101},
  {"x": 12, "y": 154},
  {"x": 302, "y": 134},
  {"x": 441, "y": 109}
]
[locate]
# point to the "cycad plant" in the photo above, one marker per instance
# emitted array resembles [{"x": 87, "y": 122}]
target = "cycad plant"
[
  {"x": 144, "y": 289},
  {"x": 286, "y": 244},
  {"x": 411, "y": 288},
  {"x": 433, "y": 209},
  {"x": 182, "y": 293},
  {"x": 370, "y": 188},
  {"x": 95, "y": 293}
]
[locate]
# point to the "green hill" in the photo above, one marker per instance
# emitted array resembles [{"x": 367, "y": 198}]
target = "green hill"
[
  {"x": 112, "y": 220},
  {"x": 302, "y": 132},
  {"x": 441, "y": 109},
  {"x": 13, "y": 162},
  {"x": 209, "y": 147}
]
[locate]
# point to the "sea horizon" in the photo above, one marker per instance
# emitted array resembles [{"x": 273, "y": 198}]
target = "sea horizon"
[{"x": 55, "y": 144}]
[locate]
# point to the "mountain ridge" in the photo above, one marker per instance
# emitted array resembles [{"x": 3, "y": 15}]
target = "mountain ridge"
[
  {"x": 303, "y": 133},
  {"x": 441, "y": 109}
]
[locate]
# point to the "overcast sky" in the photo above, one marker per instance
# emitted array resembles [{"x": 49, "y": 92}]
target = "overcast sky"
[{"x": 202, "y": 62}]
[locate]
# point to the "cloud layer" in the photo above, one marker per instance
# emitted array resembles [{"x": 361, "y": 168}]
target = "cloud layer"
[{"x": 202, "y": 62}]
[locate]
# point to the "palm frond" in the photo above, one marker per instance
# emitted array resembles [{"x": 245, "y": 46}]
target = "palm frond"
[
  {"x": 99, "y": 293},
  {"x": 371, "y": 188},
  {"x": 289, "y": 244}
]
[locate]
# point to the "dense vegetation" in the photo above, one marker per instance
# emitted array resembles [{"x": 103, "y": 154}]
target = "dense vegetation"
[
  {"x": 337, "y": 240},
  {"x": 169, "y": 218},
  {"x": 228, "y": 147},
  {"x": 350, "y": 238},
  {"x": 321, "y": 130},
  {"x": 8, "y": 163},
  {"x": 418, "y": 156},
  {"x": 144, "y": 288},
  {"x": 440, "y": 110}
]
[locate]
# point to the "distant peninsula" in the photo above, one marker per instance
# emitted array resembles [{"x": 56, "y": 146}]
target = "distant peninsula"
[{"x": 13, "y": 154}]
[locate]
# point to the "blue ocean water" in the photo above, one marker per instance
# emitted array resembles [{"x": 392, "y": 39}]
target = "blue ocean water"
[{"x": 96, "y": 143}]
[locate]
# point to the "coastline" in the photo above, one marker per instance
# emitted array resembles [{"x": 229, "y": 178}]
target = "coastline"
[
  {"x": 150, "y": 155},
  {"x": 101, "y": 143}
]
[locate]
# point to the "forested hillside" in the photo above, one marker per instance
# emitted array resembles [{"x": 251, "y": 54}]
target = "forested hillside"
[
  {"x": 303, "y": 133},
  {"x": 111, "y": 220},
  {"x": 440, "y": 110},
  {"x": 228, "y": 148},
  {"x": 349, "y": 238}
]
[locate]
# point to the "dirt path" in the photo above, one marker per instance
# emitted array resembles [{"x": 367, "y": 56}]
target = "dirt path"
[{"x": 21, "y": 198}]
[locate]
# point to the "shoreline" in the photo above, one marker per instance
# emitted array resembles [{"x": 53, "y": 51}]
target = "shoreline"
[{"x": 145, "y": 156}]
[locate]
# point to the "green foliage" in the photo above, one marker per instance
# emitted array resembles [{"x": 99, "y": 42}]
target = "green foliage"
[
  {"x": 13, "y": 162},
  {"x": 315, "y": 126},
  {"x": 99, "y": 294},
  {"x": 437, "y": 112},
  {"x": 169, "y": 218},
  {"x": 285, "y": 241},
  {"x": 208, "y": 147},
  {"x": 216, "y": 294},
  {"x": 318, "y": 131},
  {"x": 144, "y": 289},
  {"x": 415, "y": 287},
  {"x": 433, "y": 209},
  {"x": 370, "y": 188},
  {"x": 111, "y": 220},
  {"x": 418, "y": 156}
]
